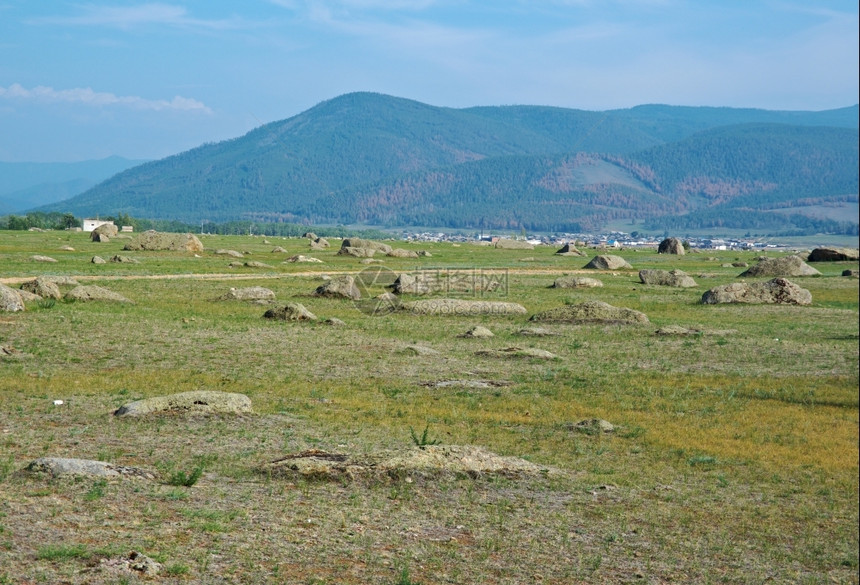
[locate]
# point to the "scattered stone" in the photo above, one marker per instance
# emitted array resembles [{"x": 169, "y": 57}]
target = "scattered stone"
[
  {"x": 608, "y": 262},
  {"x": 509, "y": 244},
  {"x": 104, "y": 232},
  {"x": 94, "y": 293},
  {"x": 477, "y": 332},
  {"x": 785, "y": 266},
  {"x": 427, "y": 462},
  {"x": 434, "y": 281},
  {"x": 536, "y": 332},
  {"x": 569, "y": 250},
  {"x": 684, "y": 331},
  {"x": 133, "y": 564},
  {"x": 592, "y": 426},
  {"x": 27, "y": 296},
  {"x": 592, "y": 312},
  {"x": 676, "y": 278},
  {"x": 232, "y": 253},
  {"x": 517, "y": 352},
  {"x": 334, "y": 322},
  {"x": 671, "y": 246},
  {"x": 343, "y": 287},
  {"x": 124, "y": 260},
  {"x": 10, "y": 300},
  {"x": 462, "y": 307},
  {"x": 42, "y": 287},
  {"x": 279, "y": 250},
  {"x": 255, "y": 264},
  {"x": 310, "y": 235},
  {"x": 776, "y": 291},
  {"x": 401, "y": 253},
  {"x": 203, "y": 401},
  {"x": 290, "y": 312},
  {"x": 851, "y": 273},
  {"x": 424, "y": 254},
  {"x": 419, "y": 350},
  {"x": 251, "y": 293},
  {"x": 58, "y": 466},
  {"x": 60, "y": 280},
  {"x": 153, "y": 240},
  {"x": 304, "y": 259},
  {"x": 365, "y": 244},
  {"x": 833, "y": 255},
  {"x": 40, "y": 258},
  {"x": 356, "y": 252},
  {"x": 576, "y": 282},
  {"x": 372, "y": 261},
  {"x": 235, "y": 265},
  {"x": 467, "y": 384},
  {"x": 739, "y": 264},
  {"x": 67, "y": 249},
  {"x": 320, "y": 243},
  {"x": 528, "y": 259},
  {"x": 98, "y": 260}
]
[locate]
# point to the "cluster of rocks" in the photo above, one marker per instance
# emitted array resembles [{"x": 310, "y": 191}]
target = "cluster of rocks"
[
  {"x": 361, "y": 248},
  {"x": 48, "y": 287}
]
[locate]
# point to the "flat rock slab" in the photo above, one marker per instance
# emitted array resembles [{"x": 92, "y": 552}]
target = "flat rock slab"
[
  {"x": 290, "y": 312},
  {"x": 480, "y": 384},
  {"x": 592, "y": 426},
  {"x": 40, "y": 258},
  {"x": 576, "y": 282},
  {"x": 677, "y": 278},
  {"x": 248, "y": 293},
  {"x": 596, "y": 312},
  {"x": 87, "y": 293},
  {"x": 462, "y": 307},
  {"x": 517, "y": 352},
  {"x": 786, "y": 266},
  {"x": 10, "y": 300},
  {"x": 608, "y": 262},
  {"x": 477, "y": 332},
  {"x": 536, "y": 332},
  {"x": 429, "y": 462},
  {"x": 153, "y": 240},
  {"x": 682, "y": 331},
  {"x": 202, "y": 401},
  {"x": 58, "y": 466}
]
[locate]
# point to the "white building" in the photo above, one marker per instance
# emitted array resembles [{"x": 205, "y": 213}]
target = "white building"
[{"x": 91, "y": 224}]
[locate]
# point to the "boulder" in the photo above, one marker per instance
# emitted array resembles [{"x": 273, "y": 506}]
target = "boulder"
[
  {"x": 153, "y": 240},
  {"x": 343, "y": 287},
  {"x": 477, "y": 332},
  {"x": 785, "y": 266},
  {"x": 517, "y": 352},
  {"x": 98, "y": 260},
  {"x": 576, "y": 282},
  {"x": 290, "y": 312},
  {"x": 536, "y": 332},
  {"x": 368, "y": 244},
  {"x": 203, "y": 401},
  {"x": 676, "y": 278},
  {"x": 320, "y": 243},
  {"x": 851, "y": 273},
  {"x": 310, "y": 235},
  {"x": 27, "y": 296},
  {"x": 776, "y": 291},
  {"x": 304, "y": 259},
  {"x": 250, "y": 293},
  {"x": 124, "y": 260},
  {"x": 592, "y": 312},
  {"x": 94, "y": 293},
  {"x": 833, "y": 255},
  {"x": 231, "y": 253},
  {"x": 592, "y": 426},
  {"x": 462, "y": 307},
  {"x": 279, "y": 250},
  {"x": 10, "y": 300},
  {"x": 401, "y": 253},
  {"x": 108, "y": 230},
  {"x": 608, "y": 262},
  {"x": 569, "y": 250},
  {"x": 40, "y": 258},
  {"x": 255, "y": 264},
  {"x": 356, "y": 252},
  {"x": 671, "y": 246},
  {"x": 509, "y": 244},
  {"x": 43, "y": 287}
]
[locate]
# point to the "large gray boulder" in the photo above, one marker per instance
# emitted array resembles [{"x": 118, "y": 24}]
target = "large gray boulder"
[
  {"x": 10, "y": 300},
  {"x": 203, "y": 401},
  {"x": 671, "y": 246},
  {"x": 342, "y": 287},
  {"x": 785, "y": 266},
  {"x": 290, "y": 312},
  {"x": 104, "y": 232},
  {"x": 833, "y": 255},
  {"x": 592, "y": 312},
  {"x": 43, "y": 287},
  {"x": 369, "y": 244},
  {"x": 356, "y": 252},
  {"x": 569, "y": 250},
  {"x": 401, "y": 253},
  {"x": 776, "y": 291},
  {"x": 249, "y": 293},
  {"x": 677, "y": 278},
  {"x": 608, "y": 262},
  {"x": 153, "y": 240},
  {"x": 86, "y": 293}
]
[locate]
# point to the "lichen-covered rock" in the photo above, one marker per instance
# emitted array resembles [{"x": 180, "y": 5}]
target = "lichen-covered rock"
[
  {"x": 98, "y": 260},
  {"x": 366, "y": 244},
  {"x": 569, "y": 250},
  {"x": 290, "y": 312},
  {"x": 785, "y": 266},
  {"x": 576, "y": 282},
  {"x": 86, "y": 293},
  {"x": 304, "y": 259},
  {"x": 592, "y": 312},
  {"x": 462, "y": 307},
  {"x": 671, "y": 246},
  {"x": 58, "y": 466},
  {"x": 43, "y": 287},
  {"x": 153, "y": 240},
  {"x": 231, "y": 253},
  {"x": 477, "y": 331},
  {"x": 104, "y": 232},
  {"x": 124, "y": 259},
  {"x": 776, "y": 291},
  {"x": 517, "y": 352},
  {"x": 356, "y": 252},
  {"x": 250, "y": 293},
  {"x": 677, "y": 278},
  {"x": 203, "y": 401},
  {"x": 401, "y": 253},
  {"x": 10, "y": 300},
  {"x": 608, "y": 262},
  {"x": 833, "y": 255},
  {"x": 342, "y": 287}
]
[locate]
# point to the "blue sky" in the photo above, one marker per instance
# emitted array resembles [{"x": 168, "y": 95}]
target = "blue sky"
[{"x": 86, "y": 79}]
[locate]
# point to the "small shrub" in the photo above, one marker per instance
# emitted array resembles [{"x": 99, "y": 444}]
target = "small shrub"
[
  {"x": 181, "y": 479},
  {"x": 423, "y": 440}
]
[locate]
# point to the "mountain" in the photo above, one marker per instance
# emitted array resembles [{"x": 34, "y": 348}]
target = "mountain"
[
  {"x": 376, "y": 159},
  {"x": 27, "y": 185}
]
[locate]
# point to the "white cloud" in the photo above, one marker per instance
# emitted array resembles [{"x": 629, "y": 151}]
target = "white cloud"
[
  {"x": 86, "y": 96},
  {"x": 126, "y": 17}
]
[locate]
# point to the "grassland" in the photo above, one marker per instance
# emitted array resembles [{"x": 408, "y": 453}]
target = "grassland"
[{"x": 735, "y": 458}]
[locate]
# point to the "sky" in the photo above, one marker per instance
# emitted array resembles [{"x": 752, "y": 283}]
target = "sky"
[{"x": 84, "y": 79}]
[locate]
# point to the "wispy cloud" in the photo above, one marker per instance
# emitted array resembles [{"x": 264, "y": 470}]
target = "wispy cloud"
[
  {"x": 127, "y": 17},
  {"x": 86, "y": 96}
]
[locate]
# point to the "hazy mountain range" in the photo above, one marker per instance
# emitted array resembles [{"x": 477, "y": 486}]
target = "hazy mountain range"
[{"x": 373, "y": 159}]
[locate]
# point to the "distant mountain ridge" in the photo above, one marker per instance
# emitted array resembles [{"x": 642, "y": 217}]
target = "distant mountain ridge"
[{"x": 376, "y": 159}]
